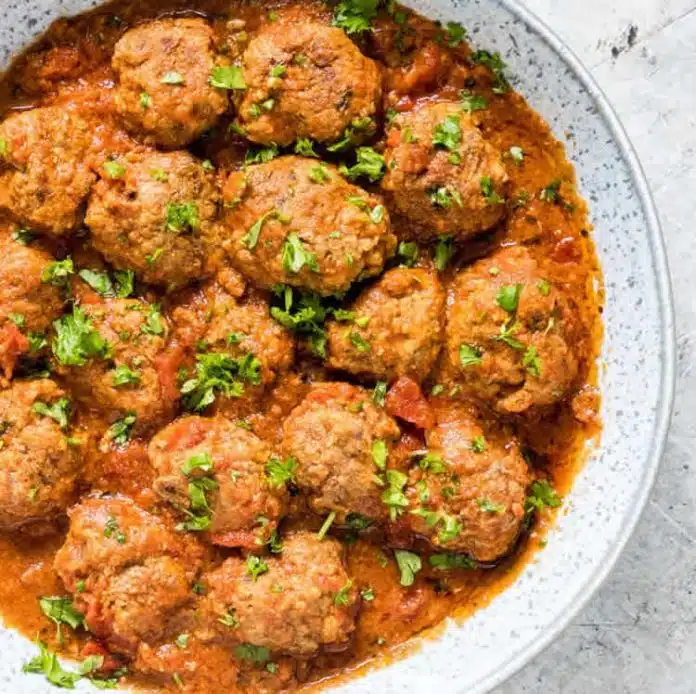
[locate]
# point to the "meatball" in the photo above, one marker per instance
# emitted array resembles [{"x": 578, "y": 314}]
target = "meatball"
[
  {"x": 467, "y": 494},
  {"x": 399, "y": 324},
  {"x": 114, "y": 368},
  {"x": 27, "y": 305},
  {"x": 332, "y": 435},
  {"x": 305, "y": 79},
  {"x": 129, "y": 574},
  {"x": 164, "y": 92},
  {"x": 38, "y": 467},
  {"x": 152, "y": 216},
  {"x": 227, "y": 463},
  {"x": 442, "y": 175},
  {"x": 300, "y": 603},
  {"x": 297, "y": 221},
  {"x": 223, "y": 318},
  {"x": 510, "y": 334},
  {"x": 44, "y": 174}
]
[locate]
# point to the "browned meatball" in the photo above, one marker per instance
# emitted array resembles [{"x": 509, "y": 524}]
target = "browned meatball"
[
  {"x": 455, "y": 188},
  {"x": 38, "y": 466},
  {"x": 164, "y": 92},
  {"x": 297, "y": 221},
  {"x": 152, "y": 214},
  {"x": 300, "y": 603},
  {"x": 332, "y": 435},
  {"x": 467, "y": 494},
  {"x": 114, "y": 367},
  {"x": 224, "y": 318},
  {"x": 305, "y": 79},
  {"x": 44, "y": 175},
  {"x": 227, "y": 463},
  {"x": 510, "y": 334},
  {"x": 399, "y": 326},
  {"x": 27, "y": 304},
  {"x": 129, "y": 573}
]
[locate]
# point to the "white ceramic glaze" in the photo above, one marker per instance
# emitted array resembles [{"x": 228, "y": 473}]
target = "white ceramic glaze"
[{"x": 637, "y": 373}]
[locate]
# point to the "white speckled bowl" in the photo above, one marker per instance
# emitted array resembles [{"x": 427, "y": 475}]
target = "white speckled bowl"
[{"x": 637, "y": 380}]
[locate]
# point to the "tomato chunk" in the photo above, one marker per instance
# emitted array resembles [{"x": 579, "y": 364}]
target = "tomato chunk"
[{"x": 406, "y": 401}]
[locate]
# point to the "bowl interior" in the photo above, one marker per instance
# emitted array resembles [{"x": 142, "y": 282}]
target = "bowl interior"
[{"x": 637, "y": 365}]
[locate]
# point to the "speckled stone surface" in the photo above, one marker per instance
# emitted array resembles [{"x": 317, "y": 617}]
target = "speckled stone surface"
[{"x": 476, "y": 656}]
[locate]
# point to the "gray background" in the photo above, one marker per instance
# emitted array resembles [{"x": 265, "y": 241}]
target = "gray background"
[{"x": 638, "y": 635}]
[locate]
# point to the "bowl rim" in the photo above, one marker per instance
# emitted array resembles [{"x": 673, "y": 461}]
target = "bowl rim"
[{"x": 663, "y": 411}]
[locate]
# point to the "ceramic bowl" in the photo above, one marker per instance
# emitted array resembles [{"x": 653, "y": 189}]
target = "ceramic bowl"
[{"x": 637, "y": 365}]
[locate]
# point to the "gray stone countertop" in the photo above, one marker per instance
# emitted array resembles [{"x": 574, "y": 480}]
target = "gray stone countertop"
[{"x": 638, "y": 634}]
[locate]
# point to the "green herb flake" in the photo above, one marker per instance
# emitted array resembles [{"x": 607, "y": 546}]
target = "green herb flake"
[
  {"x": 252, "y": 654},
  {"x": 112, "y": 530},
  {"x": 487, "y": 506},
  {"x": 227, "y": 77},
  {"x": 256, "y": 566},
  {"x": 58, "y": 272},
  {"x": 182, "y": 217},
  {"x": 281, "y": 472},
  {"x": 355, "y": 16},
  {"x": 172, "y": 78},
  {"x": 342, "y": 598},
  {"x": 456, "y": 34},
  {"x": 409, "y": 565},
  {"x": 369, "y": 164},
  {"x": 508, "y": 297},
  {"x": 469, "y": 356},
  {"x": 145, "y": 100},
  {"x": 409, "y": 252},
  {"x": 305, "y": 148},
  {"x": 473, "y": 102},
  {"x": 120, "y": 431},
  {"x": 379, "y": 394},
  {"x": 76, "y": 341},
  {"x": 359, "y": 342},
  {"x": 541, "y": 495},
  {"x": 59, "y": 411},
  {"x": 380, "y": 453},
  {"x": 326, "y": 525},
  {"x": 448, "y": 134},
  {"x": 489, "y": 193},
  {"x": 449, "y": 561},
  {"x": 295, "y": 256},
  {"x": 319, "y": 174},
  {"x": 496, "y": 65},
  {"x": 478, "y": 444}
]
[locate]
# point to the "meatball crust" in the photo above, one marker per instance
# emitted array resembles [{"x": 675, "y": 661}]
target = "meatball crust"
[
  {"x": 193, "y": 448},
  {"x": 44, "y": 174},
  {"x": 38, "y": 467},
  {"x": 510, "y": 334},
  {"x": 331, "y": 436},
  {"x": 129, "y": 573},
  {"x": 470, "y": 496},
  {"x": 292, "y": 608},
  {"x": 124, "y": 378},
  {"x": 292, "y": 222},
  {"x": 164, "y": 92},
  {"x": 324, "y": 83},
  {"x": 153, "y": 217},
  {"x": 400, "y": 320},
  {"x": 27, "y": 305},
  {"x": 455, "y": 189},
  {"x": 223, "y": 317}
]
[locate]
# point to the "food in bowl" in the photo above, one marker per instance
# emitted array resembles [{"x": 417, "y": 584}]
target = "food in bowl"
[{"x": 299, "y": 320}]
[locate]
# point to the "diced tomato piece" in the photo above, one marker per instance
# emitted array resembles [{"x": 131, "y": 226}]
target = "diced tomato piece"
[
  {"x": 186, "y": 433},
  {"x": 235, "y": 538},
  {"x": 406, "y": 401},
  {"x": 12, "y": 345},
  {"x": 168, "y": 365}
]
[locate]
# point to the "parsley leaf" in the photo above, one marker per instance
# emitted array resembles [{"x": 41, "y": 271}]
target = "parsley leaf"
[
  {"x": 295, "y": 256},
  {"x": 409, "y": 251},
  {"x": 198, "y": 461},
  {"x": 58, "y": 272},
  {"x": 121, "y": 286},
  {"x": 256, "y": 566},
  {"x": 449, "y": 561},
  {"x": 59, "y": 412},
  {"x": 409, "y": 565},
  {"x": 61, "y": 611},
  {"x": 532, "y": 361},
  {"x": 76, "y": 341},
  {"x": 444, "y": 250},
  {"x": 393, "y": 496},
  {"x": 380, "y": 453},
  {"x": 326, "y": 525},
  {"x": 319, "y": 174},
  {"x": 114, "y": 169},
  {"x": 342, "y": 598},
  {"x": 227, "y": 77},
  {"x": 281, "y": 472},
  {"x": 261, "y": 155},
  {"x": 355, "y": 16},
  {"x": 473, "y": 102},
  {"x": 369, "y": 164},
  {"x": 380, "y": 393},
  {"x": 448, "y": 133},
  {"x": 46, "y": 663},
  {"x": 542, "y": 494},
  {"x": 359, "y": 342},
  {"x": 456, "y": 34},
  {"x": 153, "y": 324},
  {"x": 496, "y": 65},
  {"x": 469, "y": 356},
  {"x": 489, "y": 193},
  {"x": 120, "y": 430},
  {"x": 508, "y": 297},
  {"x": 219, "y": 374},
  {"x": 182, "y": 217},
  {"x": 305, "y": 148},
  {"x": 251, "y": 653},
  {"x": 551, "y": 193},
  {"x": 478, "y": 444}
]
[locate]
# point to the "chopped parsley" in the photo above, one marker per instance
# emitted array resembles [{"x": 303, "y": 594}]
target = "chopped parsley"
[
  {"x": 489, "y": 506},
  {"x": 508, "y": 297},
  {"x": 219, "y": 374},
  {"x": 114, "y": 169},
  {"x": 326, "y": 525},
  {"x": 449, "y": 561},
  {"x": 121, "y": 286},
  {"x": 145, "y": 100},
  {"x": 489, "y": 193},
  {"x": 544, "y": 287},
  {"x": 541, "y": 495},
  {"x": 305, "y": 148},
  {"x": 443, "y": 197},
  {"x": 251, "y": 653},
  {"x": 359, "y": 342},
  {"x": 182, "y": 217},
  {"x": 113, "y": 530},
  {"x": 354, "y": 134},
  {"x": 153, "y": 324},
  {"x": 409, "y": 252},
  {"x": 496, "y": 65},
  {"x": 469, "y": 356},
  {"x": 182, "y": 640},
  {"x": 444, "y": 250},
  {"x": 342, "y": 598},
  {"x": 227, "y": 77},
  {"x": 409, "y": 565},
  {"x": 433, "y": 463},
  {"x": 278, "y": 71},
  {"x": 319, "y": 174},
  {"x": 380, "y": 453},
  {"x": 393, "y": 496},
  {"x": 478, "y": 444},
  {"x": 473, "y": 102},
  {"x": 60, "y": 610},
  {"x": 516, "y": 154},
  {"x": 506, "y": 335},
  {"x": 281, "y": 472},
  {"x": 261, "y": 155},
  {"x": 120, "y": 431},
  {"x": 369, "y": 164},
  {"x": 295, "y": 256},
  {"x": 551, "y": 193},
  {"x": 532, "y": 361},
  {"x": 448, "y": 135},
  {"x": 256, "y": 566},
  {"x": 198, "y": 461},
  {"x": 355, "y": 16},
  {"x": 46, "y": 664},
  {"x": 24, "y": 236},
  {"x": 58, "y": 272},
  {"x": 76, "y": 341},
  {"x": 59, "y": 411},
  {"x": 379, "y": 394},
  {"x": 456, "y": 34}
]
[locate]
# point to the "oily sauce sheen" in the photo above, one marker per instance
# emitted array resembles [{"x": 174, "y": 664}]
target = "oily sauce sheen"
[{"x": 168, "y": 420}]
